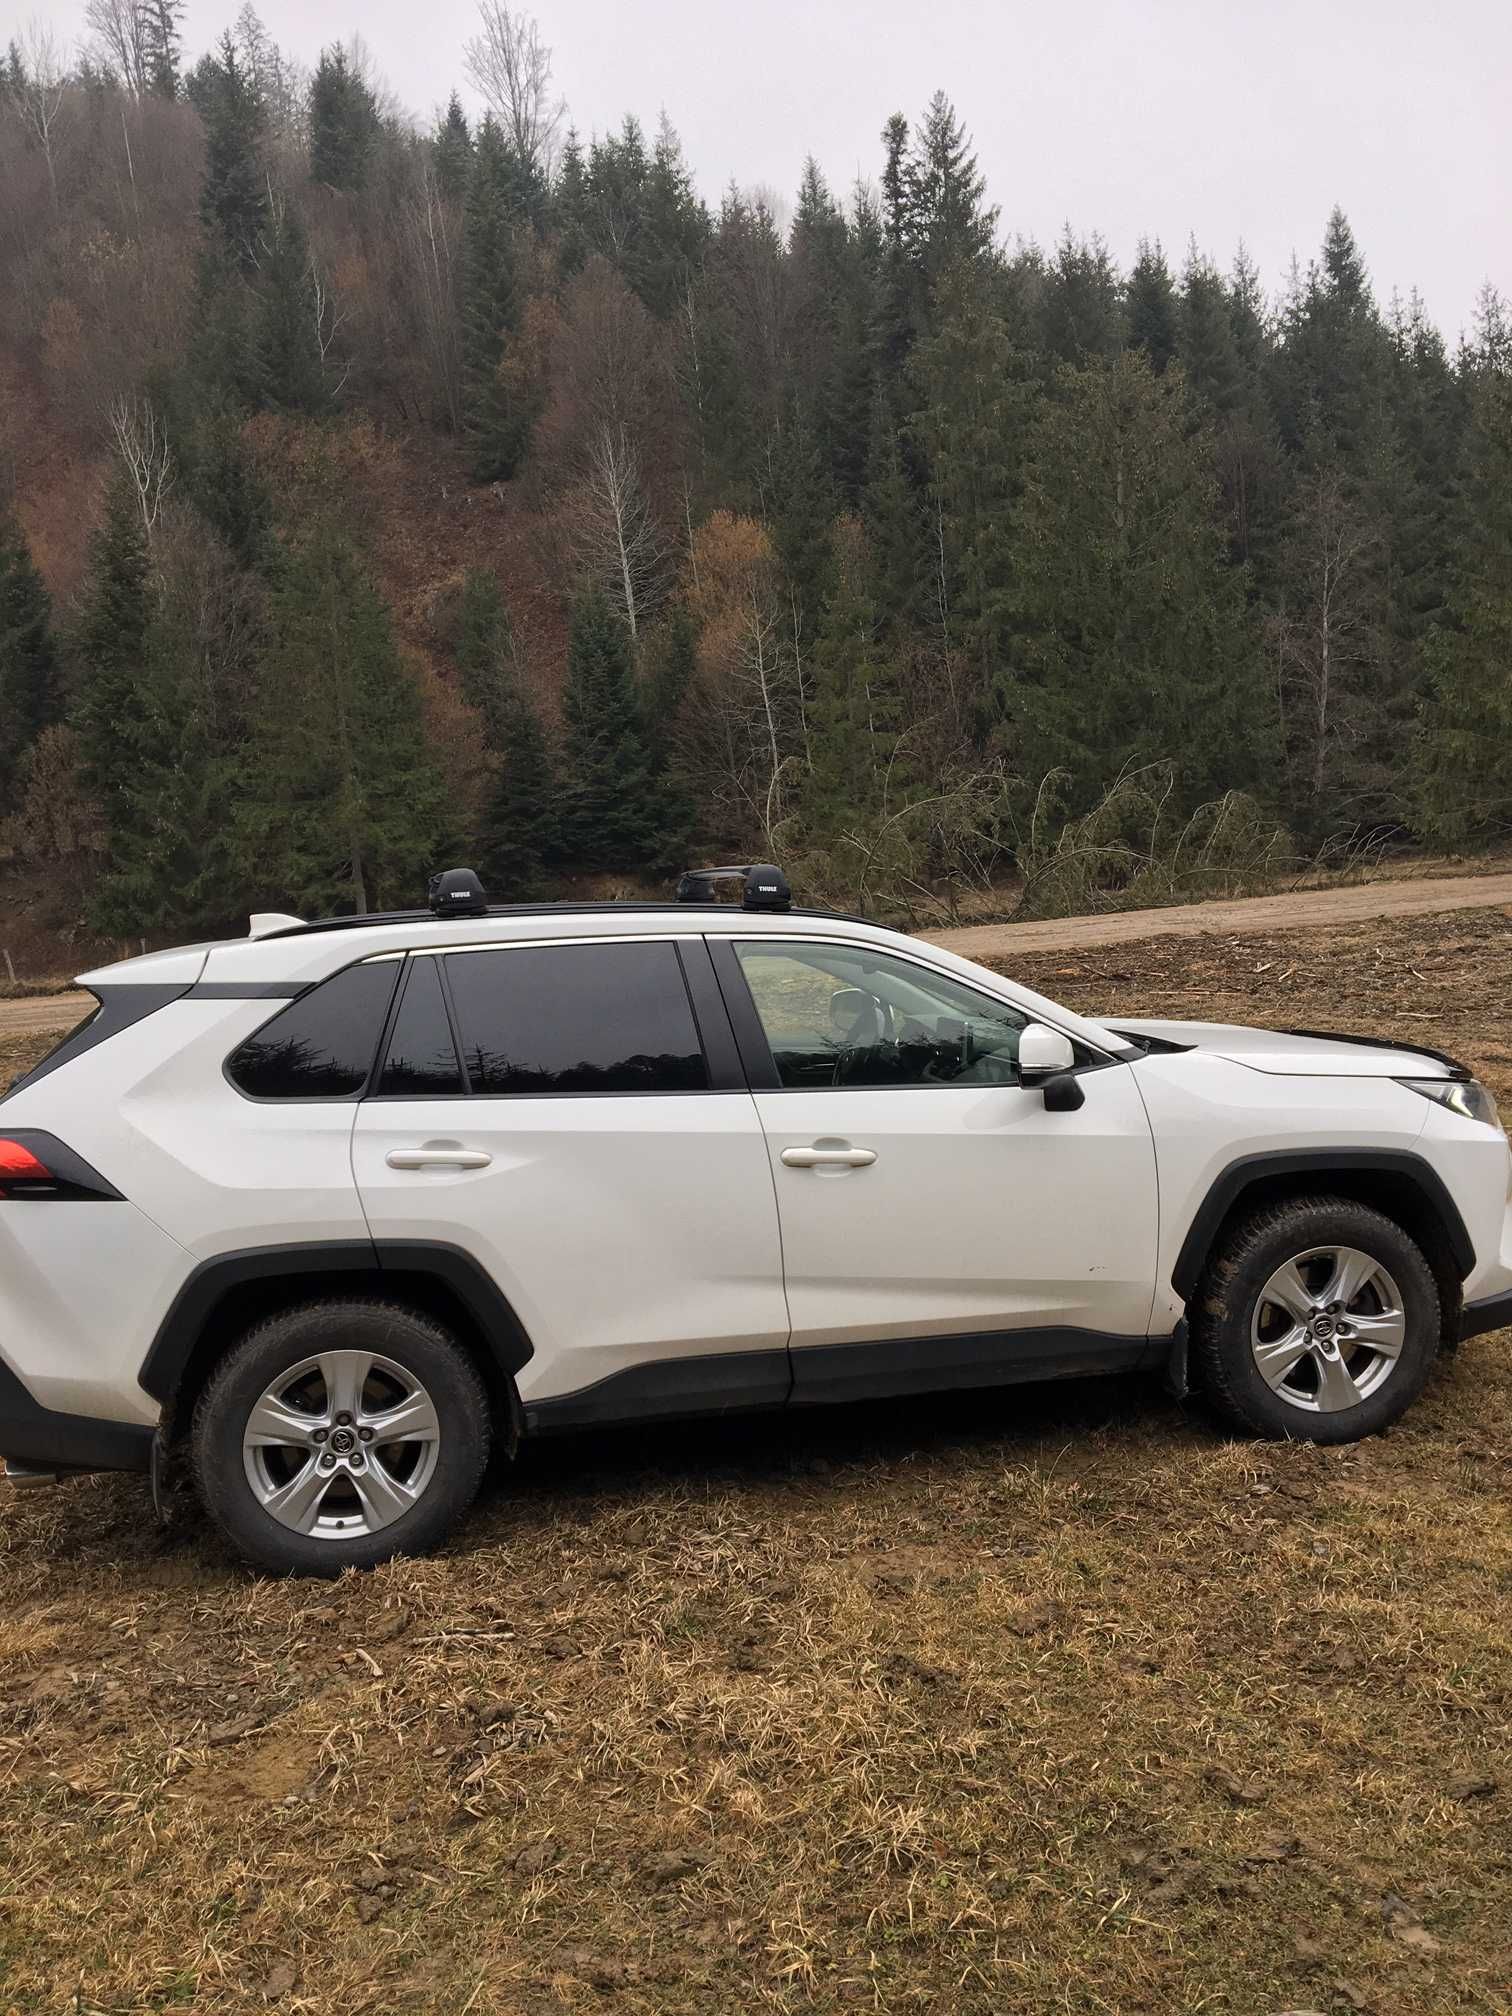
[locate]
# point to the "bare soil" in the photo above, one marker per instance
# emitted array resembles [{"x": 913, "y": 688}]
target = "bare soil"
[{"x": 1043, "y": 1700}]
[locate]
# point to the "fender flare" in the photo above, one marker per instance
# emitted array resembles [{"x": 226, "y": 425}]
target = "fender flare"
[
  {"x": 1394, "y": 1163},
  {"x": 179, "y": 1334}
]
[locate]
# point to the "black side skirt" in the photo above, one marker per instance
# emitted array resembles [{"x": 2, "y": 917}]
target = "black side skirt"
[
  {"x": 1495, "y": 1313},
  {"x": 816, "y": 1375},
  {"x": 33, "y": 1434}
]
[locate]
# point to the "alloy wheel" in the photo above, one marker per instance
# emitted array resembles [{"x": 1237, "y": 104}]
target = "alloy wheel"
[
  {"x": 1328, "y": 1329},
  {"x": 341, "y": 1444}
]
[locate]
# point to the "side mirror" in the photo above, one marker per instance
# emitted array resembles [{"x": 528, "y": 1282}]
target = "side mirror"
[{"x": 1042, "y": 1052}]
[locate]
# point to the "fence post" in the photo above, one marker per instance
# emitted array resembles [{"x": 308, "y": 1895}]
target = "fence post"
[{"x": 10, "y": 966}]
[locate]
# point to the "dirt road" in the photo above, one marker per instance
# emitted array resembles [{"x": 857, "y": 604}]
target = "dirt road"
[
  {"x": 42, "y": 1014},
  {"x": 1302, "y": 909}
]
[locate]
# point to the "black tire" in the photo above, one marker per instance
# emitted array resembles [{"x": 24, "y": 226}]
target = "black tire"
[
  {"x": 1224, "y": 1309},
  {"x": 389, "y": 1331}
]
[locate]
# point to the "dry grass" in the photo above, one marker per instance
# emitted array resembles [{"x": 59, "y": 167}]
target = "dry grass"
[{"x": 1048, "y": 1701}]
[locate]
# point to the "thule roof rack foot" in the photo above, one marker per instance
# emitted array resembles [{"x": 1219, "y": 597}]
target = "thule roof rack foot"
[{"x": 763, "y": 887}]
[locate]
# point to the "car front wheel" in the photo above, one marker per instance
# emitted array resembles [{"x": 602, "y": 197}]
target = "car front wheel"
[
  {"x": 1317, "y": 1322},
  {"x": 339, "y": 1435}
]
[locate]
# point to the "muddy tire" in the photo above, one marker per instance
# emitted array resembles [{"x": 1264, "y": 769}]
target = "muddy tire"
[{"x": 1317, "y": 1321}]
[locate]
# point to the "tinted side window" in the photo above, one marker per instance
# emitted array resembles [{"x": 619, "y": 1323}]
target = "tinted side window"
[
  {"x": 422, "y": 1058},
  {"x": 322, "y": 1045},
  {"x": 576, "y": 1018},
  {"x": 835, "y": 1015}
]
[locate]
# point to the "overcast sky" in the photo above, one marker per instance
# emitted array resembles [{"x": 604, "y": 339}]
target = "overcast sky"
[{"x": 1166, "y": 117}]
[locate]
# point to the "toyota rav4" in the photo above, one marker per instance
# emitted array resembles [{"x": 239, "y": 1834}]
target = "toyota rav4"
[{"x": 334, "y": 1210}]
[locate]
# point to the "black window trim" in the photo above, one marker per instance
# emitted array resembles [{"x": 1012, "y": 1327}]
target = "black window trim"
[
  {"x": 292, "y": 1001},
  {"x": 380, "y": 1063},
  {"x": 756, "y": 1050},
  {"x": 716, "y": 1040}
]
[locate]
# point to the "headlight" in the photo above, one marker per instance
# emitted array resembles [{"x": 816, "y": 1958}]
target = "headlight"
[{"x": 1465, "y": 1096}]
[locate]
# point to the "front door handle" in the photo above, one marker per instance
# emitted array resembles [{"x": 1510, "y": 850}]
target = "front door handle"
[
  {"x": 437, "y": 1158},
  {"x": 829, "y": 1158}
]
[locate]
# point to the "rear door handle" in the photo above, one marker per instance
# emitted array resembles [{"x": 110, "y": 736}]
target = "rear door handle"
[
  {"x": 437, "y": 1158},
  {"x": 829, "y": 1158}
]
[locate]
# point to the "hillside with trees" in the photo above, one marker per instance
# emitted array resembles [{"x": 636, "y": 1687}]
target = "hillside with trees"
[{"x": 376, "y": 493}]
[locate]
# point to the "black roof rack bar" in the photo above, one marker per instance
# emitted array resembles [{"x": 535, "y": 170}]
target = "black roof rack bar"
[{"x": 558, "y": 909}]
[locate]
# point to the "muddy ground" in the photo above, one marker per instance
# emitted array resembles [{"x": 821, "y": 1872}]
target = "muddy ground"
[{"x": 1044, "y": 1700}]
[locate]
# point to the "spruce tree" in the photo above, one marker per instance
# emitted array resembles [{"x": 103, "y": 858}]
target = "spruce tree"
[
  {"x": 343, "y": 123},
  {"x": 161, "y": 45},
  {"x": 484, "y": 652},
  {"x": 1464, "y": 758},
  {"x": 452, "y": 151},
  {"x": 495, "y": 425},
  {"x": 608, "y": 817},
  {"x": 28, "y": 659},
  {"x": 521, "y": 836},
  {"x": 974, "y": 392},
  {"x": 1080, "y": 314},
  {"x": 341, "y": 805},
  {"x": 291, "y": 372},
  {"x": 1136, "y": 642},
  {"x": 1150, "y": 308},
  {"x": 854, "y": 715},
  {"x": 140, "y": 736},
  {"x": 234, "y": 200}
]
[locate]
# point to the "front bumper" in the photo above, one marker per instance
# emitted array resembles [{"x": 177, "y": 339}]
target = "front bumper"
[{"x": 39, "y": 1439}]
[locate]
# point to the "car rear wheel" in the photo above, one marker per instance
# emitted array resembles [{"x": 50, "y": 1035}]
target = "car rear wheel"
[
  {"x": 339, "y": 1435},
  {"x": 1317, "y": 1322}
]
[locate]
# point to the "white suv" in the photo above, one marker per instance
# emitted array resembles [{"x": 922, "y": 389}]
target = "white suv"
[{"x": 340, "y": 1207}]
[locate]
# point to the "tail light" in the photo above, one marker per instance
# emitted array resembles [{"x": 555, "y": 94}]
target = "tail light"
[{"x": 35, "y": 1166}]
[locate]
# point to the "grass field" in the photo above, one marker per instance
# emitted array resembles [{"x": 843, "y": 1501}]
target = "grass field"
[{"x": 1048, "y": 1700}]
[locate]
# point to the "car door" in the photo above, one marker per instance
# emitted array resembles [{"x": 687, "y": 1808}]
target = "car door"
[
  {"x": 939, "y": 1225},
  {"x": 563, "y": 1112}
]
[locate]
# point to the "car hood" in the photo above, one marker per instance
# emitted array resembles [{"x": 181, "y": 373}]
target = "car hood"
[{"x": 1295, "y": 1053}]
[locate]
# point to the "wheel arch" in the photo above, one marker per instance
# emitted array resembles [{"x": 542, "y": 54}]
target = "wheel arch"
[
  {"x": 1401, "y": 1185},
  {"x": 226, "y": 1296}
]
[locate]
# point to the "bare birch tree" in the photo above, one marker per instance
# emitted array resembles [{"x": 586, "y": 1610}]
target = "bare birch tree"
[
  {"x": 43, "y": 97},
  {"x": 1327, "y": 633},
  {"x": 119, "y": 28},
  {"x": 141, "y": 441},
  {"x": 511, "y": 67},
  {"x": 619, "y": 544}
]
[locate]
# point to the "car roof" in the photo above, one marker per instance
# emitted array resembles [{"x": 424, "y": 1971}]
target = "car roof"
[{"x": 287, "y": 960}]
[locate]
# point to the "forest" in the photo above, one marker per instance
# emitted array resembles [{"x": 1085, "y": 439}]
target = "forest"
[{"x": 380, "y": 491}]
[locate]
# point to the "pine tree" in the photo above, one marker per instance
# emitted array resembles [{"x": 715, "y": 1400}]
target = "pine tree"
[
  {"x": 341, "y": 806},
  {"x": 1151, "y": 306},
  {"x": 343, "y": 123},
  {"x": 233, "y": 201},
  {"x": 1137, "y": 644},
  {"x": 521, "y": 837},
  {"x": 608, "y": 818},
  {"x": 28, "y": 659},
  {"x": 452, "y": 149},
  {"x": 490, "y": 312},
  {"x": 1209, "y": 353},
  {"x": 570, "y": 204},
  {"x": 1464, "y": 759}
]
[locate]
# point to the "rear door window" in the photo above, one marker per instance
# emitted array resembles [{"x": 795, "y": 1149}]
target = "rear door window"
[
  {"x": 321, "y": 1046},
  {"x": 544, "y": 1019}
]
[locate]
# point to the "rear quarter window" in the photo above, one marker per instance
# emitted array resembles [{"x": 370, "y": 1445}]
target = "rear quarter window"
[{"x": 321, "y": 1046}]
